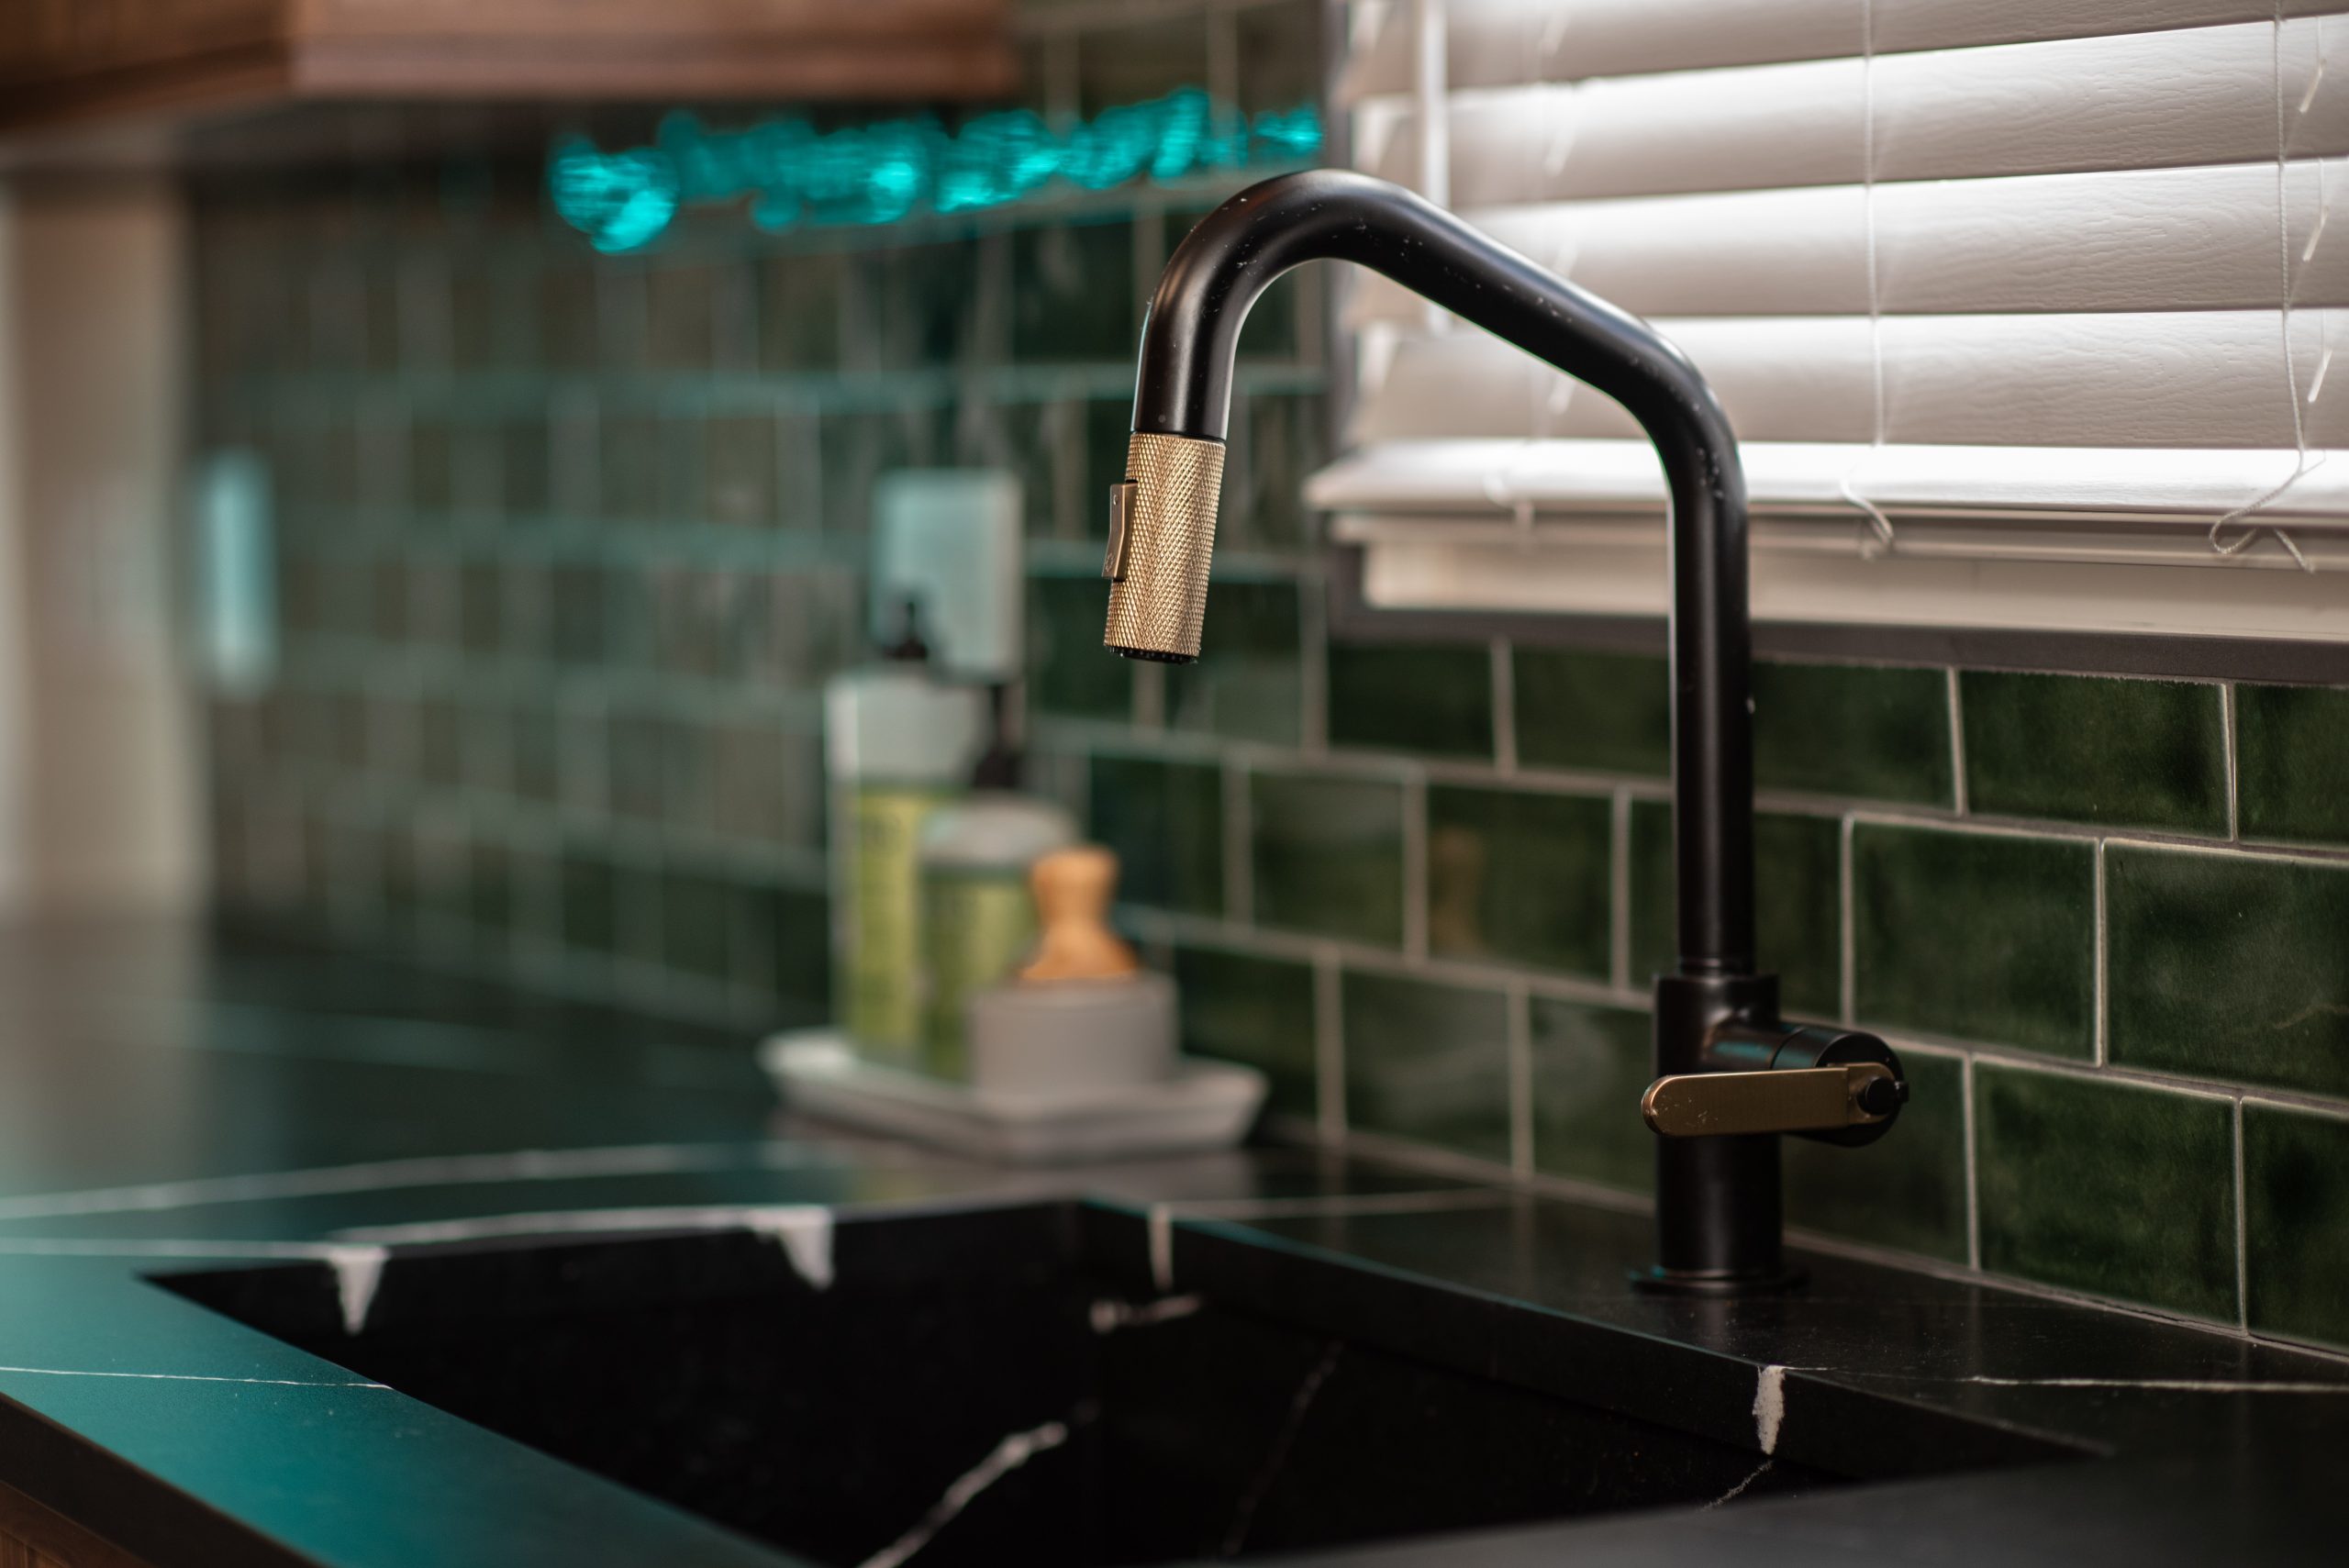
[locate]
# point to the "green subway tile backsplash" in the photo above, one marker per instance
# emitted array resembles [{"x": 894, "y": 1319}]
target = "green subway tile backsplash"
[
  {"x": 1975, "y": 936},
  {"x": 1249, "y": 681},
  {"x": 1591, "y": 1064},
  {"x": 1069, "y": 672},
  {"x": 1521, "y": 878},
  {"x": 2228, "y": 967},
  {"x": 1436, "y": 701},
  {"x": 1256, "y": 1010},
  {"x": 2119, "y": 753},
  {"x": 1165, "y": 820},
  {"x": 1798, "y": 903},
  {"x": 1852, "y": 729},
  {"x": 566, "y": 546},
  {"x": 2293, "y": 763},
  {"x": 1603, "y": 712},
  {"x": 2114, "y": 1188},
  {"x": 2296, "y": 1220},
  {"x": 1327, "y": 855},
  {"x": 1428, "y": 1063},
  {"x": 1906, "y": 1190}
]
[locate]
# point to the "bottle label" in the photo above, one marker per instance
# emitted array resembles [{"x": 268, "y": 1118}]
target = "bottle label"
[
  {"x": 881, "y": 930},
  {"x": 977, "y": 928}
]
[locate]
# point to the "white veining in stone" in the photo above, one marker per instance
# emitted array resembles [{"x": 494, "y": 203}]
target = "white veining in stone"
[
  {"x": 1769, "y": 1406},
  {"x": 805, "y": 1232},
  {"x": 457, "y": 1169},
  {"x": 1162, "y": 1248},
  {"x": 1109, "y": 1315},
  {"x": 188, "y": 1377},
  {"x": 358, "y": 1270},
  {"x": 1009, "y": 1455},
  {"x": 1244, "y": 1515},
  {"x": 1759, "y": 1470}
]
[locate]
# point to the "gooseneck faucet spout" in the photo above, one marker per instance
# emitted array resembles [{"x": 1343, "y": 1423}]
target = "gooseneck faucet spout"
[{"x": 1717, "y": 1195}]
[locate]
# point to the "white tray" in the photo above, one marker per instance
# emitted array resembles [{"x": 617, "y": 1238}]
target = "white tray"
[{"x": 1207, "y": 1104}]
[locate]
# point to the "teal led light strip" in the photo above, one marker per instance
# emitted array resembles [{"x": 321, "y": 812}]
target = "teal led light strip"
[{"x": 794, "y": 175}]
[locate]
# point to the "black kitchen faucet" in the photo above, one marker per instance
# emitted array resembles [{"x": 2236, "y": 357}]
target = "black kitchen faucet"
[{"x": 1730, "y": 1075}]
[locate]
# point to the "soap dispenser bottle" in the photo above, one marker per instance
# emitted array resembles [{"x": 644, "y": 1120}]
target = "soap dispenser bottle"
[
  {"x": 978, "y": 919},
  {"x": 898, "y": 743}
]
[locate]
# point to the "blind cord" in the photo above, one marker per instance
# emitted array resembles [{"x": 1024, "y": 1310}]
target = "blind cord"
[
  {"x": 1877, "y": 521},
  {"x": 2301, "y": 464}
]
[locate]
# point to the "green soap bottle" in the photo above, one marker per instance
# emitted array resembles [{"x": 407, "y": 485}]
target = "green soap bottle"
[
  {"x": 979, "y": 918},
  {"x": 898, "y": 743}
]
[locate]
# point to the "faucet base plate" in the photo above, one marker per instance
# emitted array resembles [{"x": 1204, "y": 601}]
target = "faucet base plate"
[{"x": 1657, "y": 1280}]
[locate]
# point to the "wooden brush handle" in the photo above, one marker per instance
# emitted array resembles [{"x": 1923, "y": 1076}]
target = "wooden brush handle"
[{"x": 1073, "y": 889}]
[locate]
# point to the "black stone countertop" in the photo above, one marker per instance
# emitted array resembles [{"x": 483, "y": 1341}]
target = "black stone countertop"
[{"x": 169, "y": 1106}]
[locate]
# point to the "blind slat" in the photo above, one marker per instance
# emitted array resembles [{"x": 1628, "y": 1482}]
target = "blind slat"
[
  {"x": 1490, "y": 478},
  {"x": 2154, "y": 100},
  {"x": 2125, "y": 379},
  {"x": 1498, "y": 43},
  {"x": 2137, "y": 239}
]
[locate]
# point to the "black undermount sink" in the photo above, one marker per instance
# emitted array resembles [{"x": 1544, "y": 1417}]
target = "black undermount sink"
[{"x": 704, "y": 1369}]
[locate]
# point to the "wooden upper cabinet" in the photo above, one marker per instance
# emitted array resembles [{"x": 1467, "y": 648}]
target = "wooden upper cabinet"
[{"x": 65, "y": 62}]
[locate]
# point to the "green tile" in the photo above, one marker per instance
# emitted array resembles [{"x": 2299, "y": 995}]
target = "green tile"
[
  {"x": 1429, "y": 1063},
  {"x": 1591, "y": 1066},
  {"x": 2083, "y": 749},
  {"x": 590, "y": 901},
  {"x": 1328, "y": 855},
  {"x": 1279, "y": 439},
  {"x": 2114, "y": 1188},
  {"x": 1246, "y": 685},
  {"x": 1165, "y": 820},
  {"x": 802, "y": 303},
  {"x": 1977, "y": 936},
  {"x": 1069, "y": 672},
  {"x": 2292, "y": 756},
  {"x": 696, "y": 931},
  {"x": 2229, "y": 966},
  {"x": 1073, "y": 292},
  {"x": 783, "y": 945},
  {"x": 1905, "y": 1190},
  {"x": 1521, "y": 878},
  {"x": 1257, "y": 1010},
  {"x": 1435, "y": 700},
  {"x": 1608, "y": 712},
  {"x": 1798, "y": 903},
  {"x": 2296, "y": 1217},
  {"x": 1853, "y": 729}
]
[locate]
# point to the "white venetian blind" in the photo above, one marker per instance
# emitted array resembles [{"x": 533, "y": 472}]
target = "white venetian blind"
[{"x": 1987, "y": 286}]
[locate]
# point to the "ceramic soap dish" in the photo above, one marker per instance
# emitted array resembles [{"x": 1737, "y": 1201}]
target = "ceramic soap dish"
[{"x": 1202, "y": 1105}]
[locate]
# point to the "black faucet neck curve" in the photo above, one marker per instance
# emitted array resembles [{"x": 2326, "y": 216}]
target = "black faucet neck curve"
[{"x": 1183, "y": 387}]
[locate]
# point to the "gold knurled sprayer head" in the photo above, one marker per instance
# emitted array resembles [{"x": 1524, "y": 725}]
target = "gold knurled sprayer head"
[{"x": 1161, "y": 537}]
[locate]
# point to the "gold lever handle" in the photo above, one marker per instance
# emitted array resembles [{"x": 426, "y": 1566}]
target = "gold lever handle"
[{"x": 1801, "y": 1099}]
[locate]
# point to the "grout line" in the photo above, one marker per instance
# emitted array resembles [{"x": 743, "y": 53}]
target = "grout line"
[
  {"x": 2089, "y": 1072},
  {"x": 1957, "y": 746},
  {"x": 1238, "y": 846},
  {"x": 1196, "y": 930},
  {"x": 1521, "y": 1080},
  {"x": 1123, "y": 741},
  {"x": 1504, "y": 708},
  {"x": 2242, "y": 1231},
  {"x": 1313, "y": 668},
  {"x": 1972, "y": 1168},
  {"x": 1328, "y": 1045},
  {"x": 1415, "y": 867},
  {"x": 2233, "y": 764},
  {"x": 1847, "y": 936},
  {"x": 2101, "y": 1046},
  {"x": 1619, "y": 891}
]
